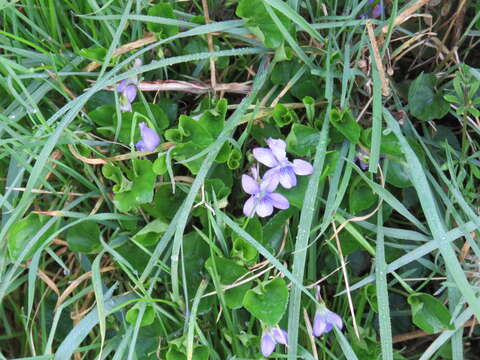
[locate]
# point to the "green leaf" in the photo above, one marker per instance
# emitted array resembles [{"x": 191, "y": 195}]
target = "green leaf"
[
  {"x": 84, "y": 237},
  {"x": 273, "y": 231},
  {"x": 260, "y": 23},
  {"x": 200, "y": 352},
  {"x": 295, "y": 195},
  {"x": 424, "y": 103},
  {"x": 234, "y": 159},
  {"x": 151, "y": 233},
  {"x": 165, "y": 203},
  {"x": 162, "y": 31},
  {"x": 283, "y": 72},
  {"x": 21, "y": 232},
  {"x": 160, "y": 164},
  {"x": 302, "y": 140},
  {"x": 194, "y": 131},
  {"x": 103, "y": 115},
  {"x": 95, "y": 53},
  {"x": 241, "y": 248},
  {"x": 398, "y": 175},
  {"x": 346, "y": 124},
  {"x": 388, "y": 146},
  {"x": 370, "y": 293},
  {"x": 264, "y": 131},
  {"x": 186, "y": 151},
  {"x": 141, "y": 190},
  {"x": 229, "y": 271},
  {"x": 148, "y": 315},
  {"x": 268, "y": 302},
  {"x": 361, "y": 196},
  {"x": 429, "y": 314},
  {"x": 283, "y": 115},
  {"x": 195, "y": 254},
  {"x": 213, "y": 120},
  {"x": 135, "y": 256},
  {"x": 112, "y": 172}
]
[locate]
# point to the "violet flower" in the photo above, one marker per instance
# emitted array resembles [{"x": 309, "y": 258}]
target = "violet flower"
[
  {"x": 373, "y": 12},
  {"x": 377, "y": 10},
  {"x": 262, "y": 199},
  {"x": 282, "y": 170},
  {"x": 361, "y": 160},
  {"x": 270, "y": 338},
  {"x": 128, "y": 90},
  {"x": 325, "y": 320},
  {"x": 150, "y": 139}
]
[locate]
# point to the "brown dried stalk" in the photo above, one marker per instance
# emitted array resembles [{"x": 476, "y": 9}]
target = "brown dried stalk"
[{"x": 191, "y": 87}]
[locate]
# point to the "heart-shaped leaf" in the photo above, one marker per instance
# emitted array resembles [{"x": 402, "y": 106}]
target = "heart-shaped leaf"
[
  {"x": 268, "y": 302},
  {"x": 424, "y": 102},
  {"x": 229, "y": 271}
]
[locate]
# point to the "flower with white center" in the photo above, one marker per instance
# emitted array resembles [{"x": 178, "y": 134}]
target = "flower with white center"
[
  {"x": 272, "y": 337},
  {"x": 325, "y": 320},
  {"x": 128, "y": 90},
  {"x": 281, "y": 169},
  {"x": 263, "y": 198}
]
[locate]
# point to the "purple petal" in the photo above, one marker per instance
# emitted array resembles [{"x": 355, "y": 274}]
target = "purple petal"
[
  {"x": 319, "y": 324},
  {"x": 279, "y": 201},
  {"x": 270, "y": 181},
  {"x": 334, "y": 319},
  {"x": 249, "y": 185},
  {"x": 140, "y": 146},
  {"x": 265, "y": 156},
  {"x": 249, "y": 207},
  {"x": 278, "y": 148},
  {"x": 287, "y": 177},
  {"x": 137, "y": 63},
  {"x": 264, "y": 207},
  {"x": 280, "y": 336},
  {"x": 377, "y": 10},
  {"x": 254, "y": 171},
  {"x": 328, "y": 328},
  {"x": 361, "y": 164},
  {"x": 302, "y": 167},
  {"x": 150, "y": 138},
  {"x": 121, "y": 86},
  {"x": 267, "y": 345},
  {"x": 131, "y": 93}
]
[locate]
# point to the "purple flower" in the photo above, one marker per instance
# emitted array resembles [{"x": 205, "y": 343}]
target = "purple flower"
[
  {"x": 128, "y": 90},
  {"x": 375, "y": 11},
  {"x": 150, "y": 138},
  {"x": 325, "y": 320},
  {"x": 263, "y": 198},
  {"x": 361, "y": 159},
  {"x": 272, "y": 337},
  {"x": 282, "y": 170}
]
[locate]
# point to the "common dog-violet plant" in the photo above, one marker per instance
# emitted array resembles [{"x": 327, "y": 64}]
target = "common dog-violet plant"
[{"x": 145, "y": 249}]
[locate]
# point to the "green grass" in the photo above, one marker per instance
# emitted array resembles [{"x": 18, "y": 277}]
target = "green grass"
[{"x": 394, "y": 249}]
